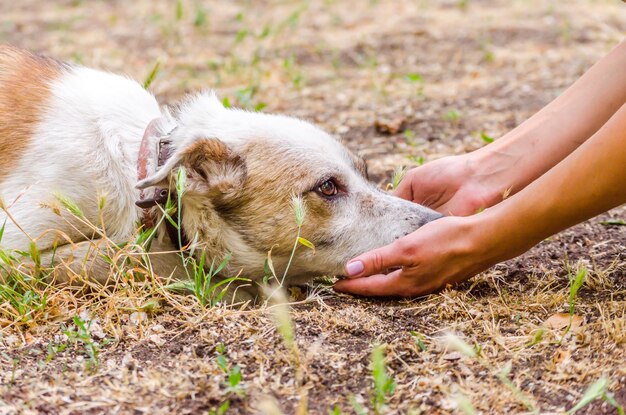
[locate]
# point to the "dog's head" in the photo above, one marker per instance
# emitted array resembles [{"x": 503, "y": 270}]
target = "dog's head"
[{"x": 243, "y": 170}]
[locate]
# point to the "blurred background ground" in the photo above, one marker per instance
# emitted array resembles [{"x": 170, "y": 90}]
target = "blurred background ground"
[{"x": 402, "y": 82}]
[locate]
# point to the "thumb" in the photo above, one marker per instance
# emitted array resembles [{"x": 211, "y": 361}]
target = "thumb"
[{"x": 377, "y": 261}]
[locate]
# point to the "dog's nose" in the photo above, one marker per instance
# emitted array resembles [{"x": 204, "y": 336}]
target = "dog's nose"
[{"x": 430, "y": 216}]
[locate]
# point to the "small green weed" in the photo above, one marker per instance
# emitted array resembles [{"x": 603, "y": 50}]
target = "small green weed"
[
  {"x": 200, "y": 19},
  {"x": 409, "y": 137},
  {"x": 419, "y": 340},
  {"x": 358, "y": 407},
  {"x": 384, "y": 385},
  {"x": 241, "y": 35},
  {"x": 487, "y": 139},
  {"x": 233, "y": 373},
  {"x": 293, "y": 72},
  {"x": 452, "y": 116},
  {"x": 79, "y": 334},
  {"x": 245, "y": 98},
  {"x": 180, "y": 10},
  {"x": 221, "y": 410},
  {"x": 14, "y": 365},
  {"x": 598, "y": 390},
  {"x": 537, "y": 337},
  {"x": 417, "y": 81},
  {"x": 419, "y": 160},
  {"x": 23, "y": 292},
  {"x": 203, "y": 282},
  {"x": 475, "y": 353},
  {"x": 487, "y": 49},
  {"x": 576, "y": 282},
  {"x": 413, "y": 77},
  {"x": 335, "y": 411},
  {"x": 292, "y": 20},
  {"x": 53, "y": 350},
  {"x": 616, "y": 222}
]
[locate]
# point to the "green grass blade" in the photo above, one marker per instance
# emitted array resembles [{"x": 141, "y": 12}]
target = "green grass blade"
[
  {"x": 575, "y": 285},
  {"x": 593, "y": 392},
  {"x": 222, "y": 264},
  {"x": 70, "y": 205},
  {"x": 2, "y": 229}
]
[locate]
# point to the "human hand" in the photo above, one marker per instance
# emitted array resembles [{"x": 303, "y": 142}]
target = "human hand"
[
  {"x": 451, "y": 185},
  {"x": 446, "y": 251}
]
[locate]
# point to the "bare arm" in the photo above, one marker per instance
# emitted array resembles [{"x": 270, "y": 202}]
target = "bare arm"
[
  {"x": 463, "y": 184},
  {"x": 589, "y": 181}
]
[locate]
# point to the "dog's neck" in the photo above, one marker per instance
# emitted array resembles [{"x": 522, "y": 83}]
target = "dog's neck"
[{"x": 159, "y": 196}]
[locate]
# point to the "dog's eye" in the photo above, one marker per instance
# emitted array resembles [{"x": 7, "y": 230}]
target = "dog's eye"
[{"x": 328, "y": 188}]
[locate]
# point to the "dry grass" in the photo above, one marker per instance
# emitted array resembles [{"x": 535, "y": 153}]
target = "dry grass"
[{"x": 445, "y": 72}]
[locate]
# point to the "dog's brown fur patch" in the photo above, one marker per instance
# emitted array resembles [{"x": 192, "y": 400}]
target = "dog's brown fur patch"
[
  {"x": 24, "y": 89},
  {"x": 255, "y": 216},
  {"x": 214, "y": 168}
]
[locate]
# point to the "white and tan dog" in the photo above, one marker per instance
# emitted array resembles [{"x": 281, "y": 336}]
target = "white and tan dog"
[{"x": 77, "y": 132}]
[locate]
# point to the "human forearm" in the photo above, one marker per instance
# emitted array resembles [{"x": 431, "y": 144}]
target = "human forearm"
[
  {"x": 528, "y": 151},
  {"x": 589, "y": 181}
]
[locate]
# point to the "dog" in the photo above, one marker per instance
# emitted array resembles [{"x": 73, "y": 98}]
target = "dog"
[{"x": 101, "y": 143}]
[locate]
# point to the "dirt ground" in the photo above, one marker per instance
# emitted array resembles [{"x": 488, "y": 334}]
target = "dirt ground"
[{"x": 444, "y": 72}]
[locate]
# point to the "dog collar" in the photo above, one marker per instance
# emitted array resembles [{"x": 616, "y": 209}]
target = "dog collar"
[{"x": 159, "y": 196}]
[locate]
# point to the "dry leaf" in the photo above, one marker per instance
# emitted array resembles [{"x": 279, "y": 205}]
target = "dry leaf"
[
  {"x": 28, "y": 338},
  {"x": 560, "y": 321},
  {"x": 390, "y": 126},
  {"x": 561, "y": 358},
  {"x": 452, "y": 356}
]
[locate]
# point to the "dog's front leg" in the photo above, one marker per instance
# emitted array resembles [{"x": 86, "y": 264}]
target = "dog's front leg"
[
  {"x": 77, "y": 263},
  {"x": 99, "y": 261}
]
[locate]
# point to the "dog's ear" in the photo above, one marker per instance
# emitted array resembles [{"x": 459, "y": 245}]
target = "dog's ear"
[{"x": 212, "y": 169}]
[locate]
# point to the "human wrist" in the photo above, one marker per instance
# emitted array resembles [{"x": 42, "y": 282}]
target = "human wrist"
[
  {"x": 490, "y": 173},
  {"x": 482, "y": 239},
  {"x": 504, "y": 231},
  {"x": 519, "y": 157}
]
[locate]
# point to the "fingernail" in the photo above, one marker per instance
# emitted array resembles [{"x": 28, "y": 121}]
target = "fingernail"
[{"x": 354, "y": 268}]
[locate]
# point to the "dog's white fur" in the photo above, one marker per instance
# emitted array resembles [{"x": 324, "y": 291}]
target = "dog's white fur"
[{"x": 85, "y": 145}]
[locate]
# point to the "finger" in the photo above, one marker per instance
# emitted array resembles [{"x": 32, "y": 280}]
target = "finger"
[
  {"x": 405, "y": 188},
  {"x": 411, "y": 190},
  {"x": 397, "y": 283},
  {"x": 376, "y": 285},
  {"x": 378, "y": 260},
  {"x": 450, "y": 208}
]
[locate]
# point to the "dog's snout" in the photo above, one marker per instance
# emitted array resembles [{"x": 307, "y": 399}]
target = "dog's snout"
[
  {"x": 433, "y": 216},
  {"x": 430, "y": 216}
]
